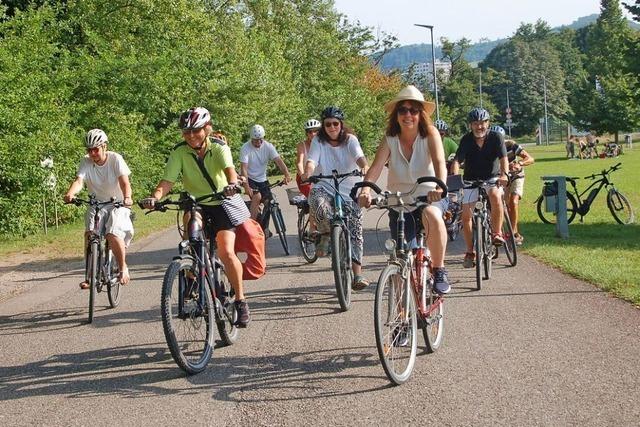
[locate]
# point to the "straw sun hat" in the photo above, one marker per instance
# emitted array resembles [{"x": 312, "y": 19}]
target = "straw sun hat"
[{"x": 410, "y": 93}]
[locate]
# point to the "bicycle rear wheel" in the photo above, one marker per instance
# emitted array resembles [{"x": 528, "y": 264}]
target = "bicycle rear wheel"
[
  {"x": 188, "y": 331},
  {"x": 226, "y": 323},
  {"x": 341, "y": 265},
  {"x": 278, "y": 221},
  {"x": 620, "y": 207},
  {"x": 93, "y": 277},
  {"x": 489, "y": 252},
  {"x": 307, "y": 242},
  {"x": 433, "y": 323},
  {"x": 478, "y": 232},
  {"x": 550, "y": 217},
  {"x": 510, "y": 247},
  {"x": 395, "y": 325},
  {"x": 114, "y": 289}
]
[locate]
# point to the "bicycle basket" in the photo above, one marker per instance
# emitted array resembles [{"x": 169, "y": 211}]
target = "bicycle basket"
[{"x": 295, "y": 197}]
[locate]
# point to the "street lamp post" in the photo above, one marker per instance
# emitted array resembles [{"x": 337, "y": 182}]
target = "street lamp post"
[
  {"x": 546, "y": 117},
  {"x": 433, "y": 62}
]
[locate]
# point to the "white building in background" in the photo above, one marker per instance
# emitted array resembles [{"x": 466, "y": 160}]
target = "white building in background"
[{"x": 424, "y": 71}]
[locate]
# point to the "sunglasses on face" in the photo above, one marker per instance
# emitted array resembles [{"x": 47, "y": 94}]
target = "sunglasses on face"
[
  {"x": 404, "y": 110},
  {"x": 94, "y": 150},
  {"x": 331, "y": 124}
]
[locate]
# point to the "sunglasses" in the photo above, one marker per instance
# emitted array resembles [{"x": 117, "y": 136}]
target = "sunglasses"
[
  {"x": 187, "y": 131},
  {"x": 94, "y": 149},
  {"x": 404, "y": 110},
  {"x": 331, "y": 124}
]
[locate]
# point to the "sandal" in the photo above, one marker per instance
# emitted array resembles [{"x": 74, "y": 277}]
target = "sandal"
[
  {"x": 359, "y": 283},
  {"x": 84, "y": 285}
]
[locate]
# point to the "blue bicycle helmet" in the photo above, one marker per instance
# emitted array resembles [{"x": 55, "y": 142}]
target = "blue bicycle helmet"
[
  {"x": 498, "y": 129},
  {"x": 478, "y": 115},
  {"x": 332, "y": 112}
]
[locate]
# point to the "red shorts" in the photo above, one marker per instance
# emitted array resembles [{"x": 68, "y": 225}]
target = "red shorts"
[{"x": 304, "y": 188}]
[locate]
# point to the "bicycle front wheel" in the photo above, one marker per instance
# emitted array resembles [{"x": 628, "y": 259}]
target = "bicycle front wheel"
[
  {"x": 510, "y": 247},
  {"x": 278, "y": 221},
  {"x": 341, "y": 265},
  {"x": 620, "y": 207},
  {"x": 93, "y": 277},
  {"x": 395, "y": 325},
  {"x": 114, "y": 290},
  {"x": 306, "y": 240},
  {"x": 187, "y": 317},
  {"x": 226, "y": 323},
  {"x": 478, "y": 232}
]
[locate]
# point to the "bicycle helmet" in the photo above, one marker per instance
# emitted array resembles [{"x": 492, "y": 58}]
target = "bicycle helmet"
[
  {"x": 194, "y": 118},
  {"x": 95, "y": 138},
  {"x": 441, "y": 125},
  {"x": 478, "y": 115},
  {"x": 312, "y": 124},
  {"x": 256, "y": 132},
  {"x": 332, "y": 112},
  {"x": 498, "y": 129}
]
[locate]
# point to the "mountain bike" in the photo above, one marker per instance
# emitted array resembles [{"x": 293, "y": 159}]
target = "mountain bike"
[
  {"x": 577, "y": 203},
  {"x": 100, "y": 263},
  {"x": 196, "y": 292},
  {"x": 340, "y": 238},
  {"x": 271, "y": 209},
  {"x": 307, "y": 238},
  {"x": 405, "y": 299}
]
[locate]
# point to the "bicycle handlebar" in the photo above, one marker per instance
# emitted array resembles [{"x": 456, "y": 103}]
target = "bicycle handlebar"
[
  {"x": 186, "y": 200},
  {"x": 386, "y": 194},
  {"x": 93, "y": 202},
  {"x": 604, "y": 171},
  {"x": 315, "y": 178}
]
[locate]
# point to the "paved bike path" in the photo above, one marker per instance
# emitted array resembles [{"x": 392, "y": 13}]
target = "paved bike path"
[{"x": 534, "y": 347}]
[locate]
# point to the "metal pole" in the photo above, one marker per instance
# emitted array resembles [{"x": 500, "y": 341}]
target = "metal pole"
[
  {"x": 546, "y": 117},
  {"x": 509, "y": 113},
  {"x": 433, "y": 63},
  {"x": 480, "y": 88}
]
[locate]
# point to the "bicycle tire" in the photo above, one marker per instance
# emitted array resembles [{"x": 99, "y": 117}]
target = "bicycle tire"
[
  {"x": 510, "y": 247},
  {"x": 226, "y": 322},
  {"x": 433, "y": 324},
  {"x": 341, "y": 265},
  {"x": 396, "y": 340},
  {"x": 307, "y": 243},
  {"x": 489, "y": 251},
  {"x": 93, "y": 277},
  {"x": 479, "y": 249},
  {"x": 620, "y": 207},
  {"x": 190, "y": 354},
  {"x": 550, "y": 217},
  {"x": 278, "y": 221},
  {"x": 114, "y": 289}
]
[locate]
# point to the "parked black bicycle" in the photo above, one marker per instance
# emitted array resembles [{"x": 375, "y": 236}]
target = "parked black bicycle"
[
  {"x": 196, "y": 292},
  {"x": 271, "y": 210},
  {"x": 577, "y": 203},
  {"x": 101, "y": 265},
  {"x": 340, "y": 238}
]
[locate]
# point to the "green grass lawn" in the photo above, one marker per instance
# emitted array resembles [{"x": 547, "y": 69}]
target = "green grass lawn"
[{"x": 599, "y": 250}]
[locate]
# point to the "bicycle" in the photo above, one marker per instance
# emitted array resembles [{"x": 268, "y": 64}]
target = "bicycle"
[
  {"x": 271, "y": 209},
  {"x": 453, "y": 215},
  {"x": 404, "y": 298},
  {"x": 101, "y": 267},
  {"x": 340, "y": 239},
  {"x": 617, "y": 203},
  {"x": 307, "y": 239},
  {"x": 196, "y": 291}
]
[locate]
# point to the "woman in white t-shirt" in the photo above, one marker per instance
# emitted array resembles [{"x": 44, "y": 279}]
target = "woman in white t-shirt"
[
  {"x": 412, "y": 148},
  {"x": 335, "y": 147},
  {"x": 106, "y": 175}
]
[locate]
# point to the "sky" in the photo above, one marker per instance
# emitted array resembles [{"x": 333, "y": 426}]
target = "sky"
[{"x": 454, "y": 19}]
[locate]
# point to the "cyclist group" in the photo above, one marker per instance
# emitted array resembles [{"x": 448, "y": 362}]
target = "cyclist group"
[{"x": 412, "y": 148}]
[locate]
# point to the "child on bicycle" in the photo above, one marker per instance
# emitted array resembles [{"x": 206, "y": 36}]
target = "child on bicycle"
[
  {"x": 195, "y": 125},
  {"x": 107, "y": 176}
]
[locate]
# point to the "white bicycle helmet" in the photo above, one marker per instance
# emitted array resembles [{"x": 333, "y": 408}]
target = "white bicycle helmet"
[
  {"x": 95, "y": 138},
  {"x": 256, "y": 132},
  {"x": 312, "y": 124},
  {"x": 498, "y": 129},
  {"x": 441, "y": 125},
  {"x": 194, "y": 118}
]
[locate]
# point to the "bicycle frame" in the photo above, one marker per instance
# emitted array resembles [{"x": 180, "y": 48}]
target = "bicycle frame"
[{"x": 593, "y": 189}]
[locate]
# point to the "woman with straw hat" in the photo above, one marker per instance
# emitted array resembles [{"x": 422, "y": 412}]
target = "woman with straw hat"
[{"x": 412, "y": 148}]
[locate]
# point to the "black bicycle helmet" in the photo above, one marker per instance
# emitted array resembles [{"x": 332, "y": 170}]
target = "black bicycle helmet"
[
  {"x": 478, "y": 115},
  {"x": 332, "y": 112}
]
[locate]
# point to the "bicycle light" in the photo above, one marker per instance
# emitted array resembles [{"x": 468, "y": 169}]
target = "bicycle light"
[
  {"x": 479, "y": 205},
  {"x": 389, "y": 244}
]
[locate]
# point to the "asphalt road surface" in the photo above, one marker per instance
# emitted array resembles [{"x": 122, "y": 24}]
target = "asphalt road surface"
[{"x": 534, "y": 347}]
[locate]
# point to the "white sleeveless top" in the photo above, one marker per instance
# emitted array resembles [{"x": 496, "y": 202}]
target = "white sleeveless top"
[{"x": 403, "y": 174}]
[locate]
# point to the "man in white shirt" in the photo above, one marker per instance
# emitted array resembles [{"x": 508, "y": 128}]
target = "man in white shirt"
[
  {"x": 254, "y": 159},
  {"x": 107, "y": 176}
]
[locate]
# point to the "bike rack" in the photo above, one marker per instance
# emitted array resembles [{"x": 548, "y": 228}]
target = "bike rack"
[{"x": 553, "y": 202}]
